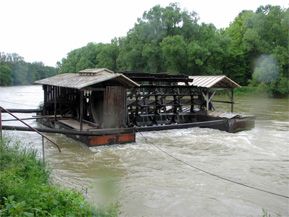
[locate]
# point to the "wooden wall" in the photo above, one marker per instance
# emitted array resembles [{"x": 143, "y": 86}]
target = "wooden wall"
[{"x": 114, "y": 112}]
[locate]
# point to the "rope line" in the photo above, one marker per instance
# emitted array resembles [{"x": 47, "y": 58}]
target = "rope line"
[{"x": 210, "y": 173}]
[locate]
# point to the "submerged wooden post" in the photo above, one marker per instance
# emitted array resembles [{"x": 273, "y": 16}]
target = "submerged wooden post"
[
  {"x": 81, "y": 110},
  {"x": 232, "y": 100}
]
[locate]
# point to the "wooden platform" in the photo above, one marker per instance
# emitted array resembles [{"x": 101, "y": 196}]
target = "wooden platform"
[{"x": 74, "y": 124}]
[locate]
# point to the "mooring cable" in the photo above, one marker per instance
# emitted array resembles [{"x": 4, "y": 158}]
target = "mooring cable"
[{"x": 210, "y": 173}]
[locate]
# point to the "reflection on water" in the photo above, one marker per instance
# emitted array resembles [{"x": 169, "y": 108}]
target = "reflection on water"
[{"x": 146, "y": 182}]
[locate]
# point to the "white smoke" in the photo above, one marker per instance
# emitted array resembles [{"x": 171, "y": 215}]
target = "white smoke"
[{"x": 266, "y": 69}]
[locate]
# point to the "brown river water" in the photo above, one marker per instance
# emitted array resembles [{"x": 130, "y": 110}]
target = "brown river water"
[{"x": 144, "y": 181}]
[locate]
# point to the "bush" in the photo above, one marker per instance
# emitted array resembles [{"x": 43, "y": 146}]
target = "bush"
[
  {"x": 25, "y": 188},
  {"x": 277, "y": 88},
  {"x": 280, "y": 88}
]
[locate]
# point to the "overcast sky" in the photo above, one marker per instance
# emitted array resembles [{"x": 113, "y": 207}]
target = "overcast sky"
[{"x": 46, "y": 30}]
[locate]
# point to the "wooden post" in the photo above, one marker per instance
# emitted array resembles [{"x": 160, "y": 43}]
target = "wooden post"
[
  {"x": 43, "y": 154},
  {"x": 45, "y": 99},
  {"x": 232, "y": 100},
  {"x": 192, "y": 101},
  {"x": 81, "y": 109},
  {"x": 55, "y": 102},
  {"x": 0, "y": 123}
]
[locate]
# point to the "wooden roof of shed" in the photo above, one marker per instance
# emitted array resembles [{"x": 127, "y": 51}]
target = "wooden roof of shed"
[
  {"x": 86, "y": 78},
  {"x": 214, "y": 81}
]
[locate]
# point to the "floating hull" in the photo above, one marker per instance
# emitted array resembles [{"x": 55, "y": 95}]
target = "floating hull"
[
  {"x": 240, "y": 124},
  {"x": 108, "y": 139},
  {"x": 97, "y": 137},
  {"x": 108, "y": 136}
]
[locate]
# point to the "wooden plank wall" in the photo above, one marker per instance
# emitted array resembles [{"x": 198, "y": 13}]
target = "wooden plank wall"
[{"x": 114, "y": 112}]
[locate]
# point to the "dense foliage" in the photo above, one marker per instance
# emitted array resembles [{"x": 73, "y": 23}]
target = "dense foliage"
[
  {"x": 259, "y": 40},
  {"x": 25, "y": 189},
  {"x": 252, "y": 50},
  {"x": 15, "y": 71}
]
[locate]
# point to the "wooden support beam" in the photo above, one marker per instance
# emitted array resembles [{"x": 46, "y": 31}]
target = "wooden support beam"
[
  {"x": 206, "y": 97},
  {"x": 217, "y": 124},
  {"x": 55, "y": 102},
  {"x": 210, "y": 100},
  {"x": 94, "y": 88},
  {"x": 232, "y": 100},
  {"x": 95, "y": 132},
  {"x": 23, "y": 110},
  {"x": 45, "y": 98}
]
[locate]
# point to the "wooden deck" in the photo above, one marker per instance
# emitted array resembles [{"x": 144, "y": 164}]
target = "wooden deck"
[{"x": 75, "y": 124}]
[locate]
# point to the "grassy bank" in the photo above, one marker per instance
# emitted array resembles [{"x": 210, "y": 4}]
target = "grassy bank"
[
  {"x": 245, "y": 91},
  {"x": 262, "y": 90},
  {"x": 25, "y": 189},
  {"x": 248, "y": 91}
]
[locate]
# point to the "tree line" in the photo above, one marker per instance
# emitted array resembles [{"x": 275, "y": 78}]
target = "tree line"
[
  {"x": 253, "y": 50},
  {"x": 15, "y": 71}
]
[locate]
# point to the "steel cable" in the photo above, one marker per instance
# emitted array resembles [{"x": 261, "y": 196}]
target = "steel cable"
[{"x": 210, "y": 173}]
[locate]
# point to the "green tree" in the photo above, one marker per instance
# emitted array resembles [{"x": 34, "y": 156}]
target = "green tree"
[
  {"x": 174, "y": 54},
  {"x": 257, "y": 34},
  {"x": 15, "y": 71},
  {"x": 152, "y": 57},
  {"x": 171, "y": 39},
  {"x": 107, "y": 56},
  {"x": 5, "y": 74}
]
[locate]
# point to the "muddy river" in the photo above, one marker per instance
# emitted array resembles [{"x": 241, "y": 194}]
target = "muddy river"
[{"x": 145, "y": 181}]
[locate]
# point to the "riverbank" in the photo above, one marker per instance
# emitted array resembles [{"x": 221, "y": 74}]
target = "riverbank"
[
  {"x": 25, "y": 189},
  {"x": 261, "y": 90}
]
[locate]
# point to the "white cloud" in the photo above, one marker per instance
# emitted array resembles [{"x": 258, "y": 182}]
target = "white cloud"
[{"x": 47, "y": 30}]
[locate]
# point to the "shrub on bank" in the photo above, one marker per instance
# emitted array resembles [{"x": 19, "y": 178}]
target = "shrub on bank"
[
  {"x": 277, "y": 88},
  {"x": 25, "y": 189}
]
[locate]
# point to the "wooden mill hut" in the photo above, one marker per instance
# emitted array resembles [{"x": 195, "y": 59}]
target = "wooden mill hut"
[{"x": 86, "y": 101}]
